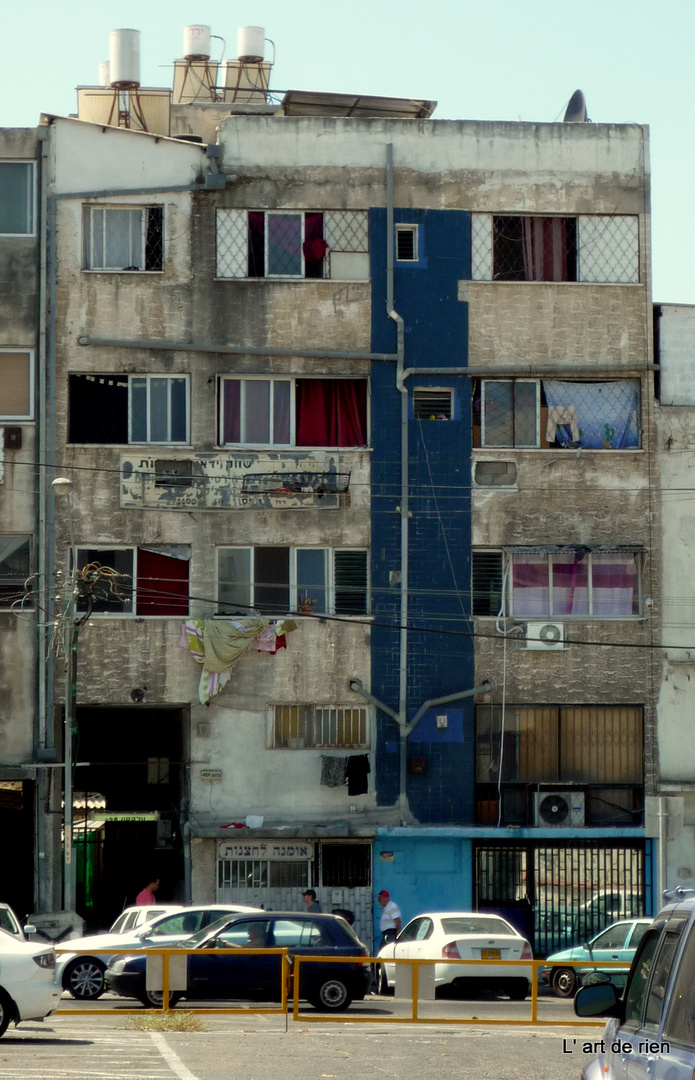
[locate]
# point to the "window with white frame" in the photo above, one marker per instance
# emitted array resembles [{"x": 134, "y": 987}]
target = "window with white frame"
[
  {"x": 293, "y": 244},
  {"x": 16, "y": 385},
  {"x": 590, "y": 248},
  {"x": 17, "y": 199},
  {"x": 547, "y": 581},
  {"x": 303, "y": 727},
  {"x": 123, "y": 238},
  {"x": 133, "y": 580},
  {"x": 407, "y": 243},
  {"x": 308, "y": 580},
  {"x": 122, "y": 409},
  {"x": 15, "y": 568},
  {"x": 269, "y": 411},
  {"x": 532, "y": 413}
]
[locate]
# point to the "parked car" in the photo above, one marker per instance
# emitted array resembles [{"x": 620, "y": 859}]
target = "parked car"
[
  {"x": 11, "y": 924},
  {"x": 327, "y": 986},
  {"x": 617, "y": 942},
  {"x": 461, "y": 935},
  {"x": 651, "y": 1027},
  {"x": 28, "y": 990},
  {"x": 82, "y": 974}
]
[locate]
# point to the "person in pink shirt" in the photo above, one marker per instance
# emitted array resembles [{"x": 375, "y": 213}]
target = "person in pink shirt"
[{"x": 147, "y": 895}]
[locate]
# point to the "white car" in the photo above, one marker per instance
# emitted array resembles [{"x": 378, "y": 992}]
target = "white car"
[
  {"x": 11, "y": 924},
  {"x": 28, "y": 989},
  {"x": 81, "y": 972},
  {"x": 461, "y": 935}
]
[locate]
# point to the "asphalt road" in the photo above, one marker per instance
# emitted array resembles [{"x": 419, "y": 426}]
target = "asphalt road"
[{"x": 258, "y": 1047}]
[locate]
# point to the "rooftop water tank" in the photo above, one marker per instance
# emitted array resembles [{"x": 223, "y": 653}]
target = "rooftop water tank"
[
  {"x": 250, "y": 44},
  {"x": 196, "y": 42},
  {"x": 124, "y": 57},
  {"x": 104, "y": 73}
]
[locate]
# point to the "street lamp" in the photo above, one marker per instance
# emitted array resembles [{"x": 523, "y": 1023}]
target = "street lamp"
[{"x": 62, "y": 486}]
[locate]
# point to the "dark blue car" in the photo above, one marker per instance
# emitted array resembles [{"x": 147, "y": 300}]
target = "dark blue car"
[{"x": 328, "y": 987}]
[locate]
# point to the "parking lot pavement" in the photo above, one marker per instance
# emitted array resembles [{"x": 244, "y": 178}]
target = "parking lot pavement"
[{"x": 260, "y": 1047}]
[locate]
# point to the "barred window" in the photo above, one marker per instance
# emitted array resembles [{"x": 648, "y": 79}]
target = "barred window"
[
  {"x": 536, "y": 413},
  {"x": 596, "y": 248},
  {"x": 304, "y": 727},
  {"x": 262, "y": 874},
  {"x": 407, "y": 243},
  {"x": 293, "y": 244},
  {"x": 123, "y": 238}
]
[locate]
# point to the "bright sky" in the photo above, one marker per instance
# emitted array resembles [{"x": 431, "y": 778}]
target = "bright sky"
[{"x": 489, "y": 60}]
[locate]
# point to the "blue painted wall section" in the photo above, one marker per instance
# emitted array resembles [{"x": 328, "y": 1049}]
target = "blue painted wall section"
[{"x": 441, "y": 650}]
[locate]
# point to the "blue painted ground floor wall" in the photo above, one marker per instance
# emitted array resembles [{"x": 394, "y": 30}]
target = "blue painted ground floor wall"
[{"x": 433, "y": 870}]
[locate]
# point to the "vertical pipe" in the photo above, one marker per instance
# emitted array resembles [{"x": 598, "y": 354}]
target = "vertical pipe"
[{"x": 404, "y": 508}]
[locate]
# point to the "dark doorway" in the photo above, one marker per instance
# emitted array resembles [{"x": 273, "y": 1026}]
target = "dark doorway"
[
  {"x": 137, "y": 758},
  {"x": 17, "y": 832}
]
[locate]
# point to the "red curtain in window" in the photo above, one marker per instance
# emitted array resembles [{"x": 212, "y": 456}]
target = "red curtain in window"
[
  {"x": 231, "y": 411},
  {"x": 545, "y": 248},
  {"x": 331, "y": 412},
  {"x": 162, "y": 584}
]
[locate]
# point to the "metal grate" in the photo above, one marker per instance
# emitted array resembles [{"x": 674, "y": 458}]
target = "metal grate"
[
  {"x": 608, "y": 249},
  {"x": 350, "y": 580},
  {"x": 486, "y": 582},
  {"x": 232, "y": 243},
  {"x": 346, "y": 230},
  {"x": 301, "y": 727}
]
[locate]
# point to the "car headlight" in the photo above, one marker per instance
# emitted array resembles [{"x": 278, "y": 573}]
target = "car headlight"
[
  {"x": 45, "y": 959},
  {"x": 117, "y": 965}
]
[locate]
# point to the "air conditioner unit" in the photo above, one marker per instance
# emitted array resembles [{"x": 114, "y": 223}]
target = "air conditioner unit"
[
  {"x": 545, "y": 635},
  {"x": 559, "y": 809}
]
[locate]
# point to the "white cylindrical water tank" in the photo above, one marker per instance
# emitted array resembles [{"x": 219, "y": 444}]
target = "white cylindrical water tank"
[
  {"x": 250, "y": 44},
  {"x": 124, "y": 57},
  {"x": 196, "y": 42},
  {"x": 104, "y": 73}
]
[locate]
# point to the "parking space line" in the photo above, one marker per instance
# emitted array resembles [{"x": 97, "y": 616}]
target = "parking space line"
[{"x": 171, "y": 1057}]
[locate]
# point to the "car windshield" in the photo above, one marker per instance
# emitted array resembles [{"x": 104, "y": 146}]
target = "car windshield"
[
  {"x": 472, "y": 925},
  {"x": 195, "y": 940}
]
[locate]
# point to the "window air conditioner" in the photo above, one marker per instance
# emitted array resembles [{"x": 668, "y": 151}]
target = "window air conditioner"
[
  {"x": 559, "y": 809},
  {"x": 545, "y": 635}
]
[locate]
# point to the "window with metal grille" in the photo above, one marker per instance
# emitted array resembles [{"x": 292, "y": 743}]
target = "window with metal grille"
[
  {"x": 430, "y": 403},
  {"x": 261, "y": 874},
  {"x": 591, "y": 248},
  {"x": 486, "y": 582},
  {"x": 293, "y": 244},
  {"x": 406, "y": 243},
  {"x": 123, "y": 238},
  {"x": 122, "y": 409},
  {"x": 16, "y": 198},
  {"x": 345, "y": 866},
  {"x": 309, "y": 581},
  {"x": 304, "y": 727},
  {"x": 533, "y": 413},
  {"x": 15, "y": 568}
]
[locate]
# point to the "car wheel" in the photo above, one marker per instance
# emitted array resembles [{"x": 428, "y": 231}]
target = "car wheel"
[
  {"x": 6, "y": 1012},
  {"x": 152, "y": 999},
  {"x": 563, "y": 982},
  {"x": 331, "y": 995},
  {"x": 518, "y": 990},
  {"x": 84, "y": 978}
]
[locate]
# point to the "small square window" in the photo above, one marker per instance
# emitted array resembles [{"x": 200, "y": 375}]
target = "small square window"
[
  {"x": 407, "y": 243},
  {"x": 432, "y": 404},
  {"x": 16, "y": 386}
]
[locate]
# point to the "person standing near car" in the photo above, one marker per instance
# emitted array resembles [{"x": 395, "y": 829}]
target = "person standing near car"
[
  {"x": 309, "y": 898},
  {"x": 390, "y": 922},
  {"x": 146, "y": 897}
]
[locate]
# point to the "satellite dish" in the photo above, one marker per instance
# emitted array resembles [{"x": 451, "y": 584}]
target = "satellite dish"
[
  {"x": 554, "y": 809},
  {"x": 575, "y": 113}
]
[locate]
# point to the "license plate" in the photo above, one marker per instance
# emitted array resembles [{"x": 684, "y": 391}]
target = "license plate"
[{"x": 490, "y": 954}]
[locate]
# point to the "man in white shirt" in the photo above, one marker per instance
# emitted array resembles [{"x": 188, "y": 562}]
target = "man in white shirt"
[{"x": 390, "y": 922}]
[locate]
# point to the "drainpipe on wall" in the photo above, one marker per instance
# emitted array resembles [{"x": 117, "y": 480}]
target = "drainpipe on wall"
[{"x": 404, "y": 507}]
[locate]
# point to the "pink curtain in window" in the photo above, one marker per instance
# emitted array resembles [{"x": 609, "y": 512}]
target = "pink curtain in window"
[
  {"x": 545, "y": 248},
  {"x": 331, "y": 412},
  {"x": 231, "y": 411}
]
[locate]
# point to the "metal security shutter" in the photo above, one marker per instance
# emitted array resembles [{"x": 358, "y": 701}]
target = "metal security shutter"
[{"x": 350, "y": 570}]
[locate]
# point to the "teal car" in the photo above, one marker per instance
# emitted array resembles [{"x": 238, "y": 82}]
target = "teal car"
[{"x": 617, "y": 942}]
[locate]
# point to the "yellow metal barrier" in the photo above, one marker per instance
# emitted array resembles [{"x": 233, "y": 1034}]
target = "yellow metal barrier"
[{"x": 290, "y": 968}]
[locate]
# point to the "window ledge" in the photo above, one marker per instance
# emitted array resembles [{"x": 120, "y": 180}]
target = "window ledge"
[
  {"x": 293, "y": 280},
  {"x": 125, "y": 273},
  {"x": 271, "y": 448},
  {"x": 575, "y": 619},
  {"x": 566, "y": 451},
  {"x": 562, "y": 284}
]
